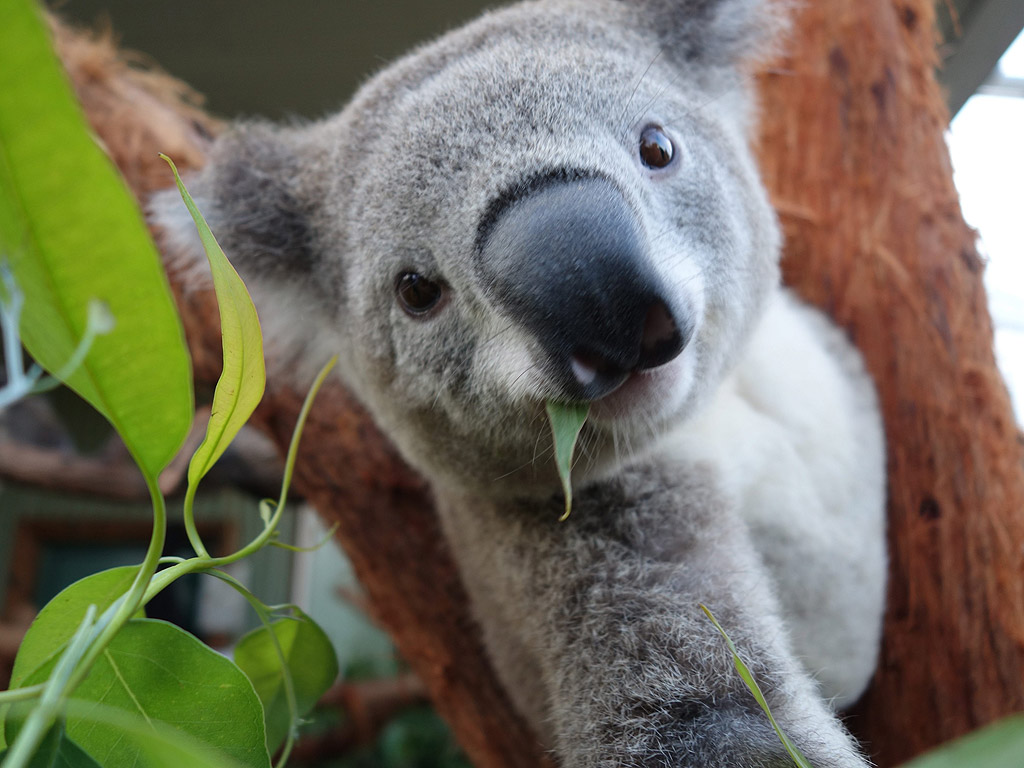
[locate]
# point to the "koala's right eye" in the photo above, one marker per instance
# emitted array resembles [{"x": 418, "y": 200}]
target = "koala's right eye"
[
  {"x": 416, "y": 294},
  {"x": 656, "y": 148}
]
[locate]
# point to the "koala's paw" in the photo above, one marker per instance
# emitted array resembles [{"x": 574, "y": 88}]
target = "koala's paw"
[{"x": 707, "y": 734}]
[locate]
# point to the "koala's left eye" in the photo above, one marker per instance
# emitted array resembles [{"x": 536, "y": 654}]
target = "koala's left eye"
[
  {"x": 656, "y": 148},
  {"x": 416, "y": 294}
]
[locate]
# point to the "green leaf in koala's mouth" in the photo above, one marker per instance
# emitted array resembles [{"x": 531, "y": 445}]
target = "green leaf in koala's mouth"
[{"x": 566, "y": 423}]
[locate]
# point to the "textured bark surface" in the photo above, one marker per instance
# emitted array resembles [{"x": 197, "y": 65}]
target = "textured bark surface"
[{"x": 852, "y": 150}]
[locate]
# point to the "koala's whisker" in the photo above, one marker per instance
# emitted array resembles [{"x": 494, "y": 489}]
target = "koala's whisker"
[
  {"x": 663, "y": 233},
  {"x": 684, "y": 280},
  {"x": 499, "y": 334},
  {"x": 630, "y": 452},
  {"x": 587, "y": 442},
  {"x": 615, "y": 445},
  {"x": 744, "y": 80},
  {"x": 522, "y": 466},
  {"x": 526, "y": 370},
  {"x": 443, "y": 386},
  {"x": 536, "y": 446},
  {"x": 721, "y": 281},
  {"x": 653, "y": 431},
  {"x": 440, "y": 389},
  {"x": 619, "y": 450},
  {"x": 636, "y": 87},
  {"x": 653, "y": 100}
]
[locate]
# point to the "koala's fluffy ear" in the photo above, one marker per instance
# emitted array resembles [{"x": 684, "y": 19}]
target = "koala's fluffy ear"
[
  {"x": 716, "y": 33},
  {"x": 259, "y": 192},
  {"x": 253, "y": 194}
]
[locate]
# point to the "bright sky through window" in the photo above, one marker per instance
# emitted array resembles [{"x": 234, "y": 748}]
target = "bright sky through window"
[{"x": 987, "y": 147}]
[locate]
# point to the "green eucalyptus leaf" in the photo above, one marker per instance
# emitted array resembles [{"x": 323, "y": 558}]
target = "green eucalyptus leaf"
[
  {"x": 243, "y": 378},
  {"x": 309, "y": 659},
  {"x": 1000, "y": 745},
  {"x": 157, "y": 745},
  {"x": 59, "y": 751},
  {"x": 566, "y": 422},
  {"x": 61, "y": 617},
  {"x": 74, "y": 234},
  {"x": 158, "y": 672},
  {"x": 748, "y": 678}
]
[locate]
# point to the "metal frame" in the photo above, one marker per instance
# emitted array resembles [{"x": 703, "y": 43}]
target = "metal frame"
[{"x": 975, "y": 41}]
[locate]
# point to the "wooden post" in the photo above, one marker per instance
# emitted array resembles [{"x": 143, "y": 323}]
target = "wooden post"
[{"x": 853, "y": 153}]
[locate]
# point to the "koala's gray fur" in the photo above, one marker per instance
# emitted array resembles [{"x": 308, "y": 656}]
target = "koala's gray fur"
[{"x": 733, "y": 456}]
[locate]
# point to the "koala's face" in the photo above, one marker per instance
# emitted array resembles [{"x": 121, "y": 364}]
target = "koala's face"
[{"x": 542, "y": 206}]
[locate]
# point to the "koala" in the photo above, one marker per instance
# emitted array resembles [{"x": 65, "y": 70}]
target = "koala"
[{"x": 558, "y": 202}]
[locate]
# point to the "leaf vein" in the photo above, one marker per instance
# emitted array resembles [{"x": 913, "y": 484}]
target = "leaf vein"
[{"x": 127, "y": 688}]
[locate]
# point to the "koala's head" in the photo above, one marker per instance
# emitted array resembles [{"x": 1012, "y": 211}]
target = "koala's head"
[{"x": 554, "y": 202}]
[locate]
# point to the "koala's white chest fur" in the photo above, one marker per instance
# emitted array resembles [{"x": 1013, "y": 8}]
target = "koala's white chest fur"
[{"x": 794, "y": 436}]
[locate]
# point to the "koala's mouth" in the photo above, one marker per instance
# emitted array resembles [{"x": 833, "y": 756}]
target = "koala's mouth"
[
  {"x": 594, "y": 372},
  {"x": 643, "y": 391}
]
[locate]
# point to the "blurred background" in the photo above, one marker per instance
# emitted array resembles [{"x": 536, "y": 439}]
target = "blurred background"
[
  {"x": 303, "y": 59},
  {"x": 270, "y": 58}
]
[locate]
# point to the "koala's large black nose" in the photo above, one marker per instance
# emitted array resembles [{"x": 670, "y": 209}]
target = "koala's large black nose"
[{"x": 568, "y": 261}]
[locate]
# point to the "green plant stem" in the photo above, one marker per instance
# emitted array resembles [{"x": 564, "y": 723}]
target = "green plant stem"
[
  {"x": 204, "y": 562},
  {"x": 55, "y": 693},
  {"x": 19, "y": 383},
  {"x": 98, "y": 322},
  {"x": 10, "y": 311},
  {"x": 92, "y": 638},
  {"x": 190, "y": 521},
  {"x": 264, "y": 614},
  {"x": 312, "y": 547},
  {"x": 89, "y": 642},
  {"x": 135, "y": 597},
  {"x": 293, "y": 447},
  {"x": 21, "y": 694}
]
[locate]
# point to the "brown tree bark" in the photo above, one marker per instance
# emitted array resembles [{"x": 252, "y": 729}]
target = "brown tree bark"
[{"x": 852, "y": 150}]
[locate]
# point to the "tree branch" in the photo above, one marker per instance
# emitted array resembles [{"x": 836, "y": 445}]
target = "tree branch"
[{"x": 855, "y": 157}]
